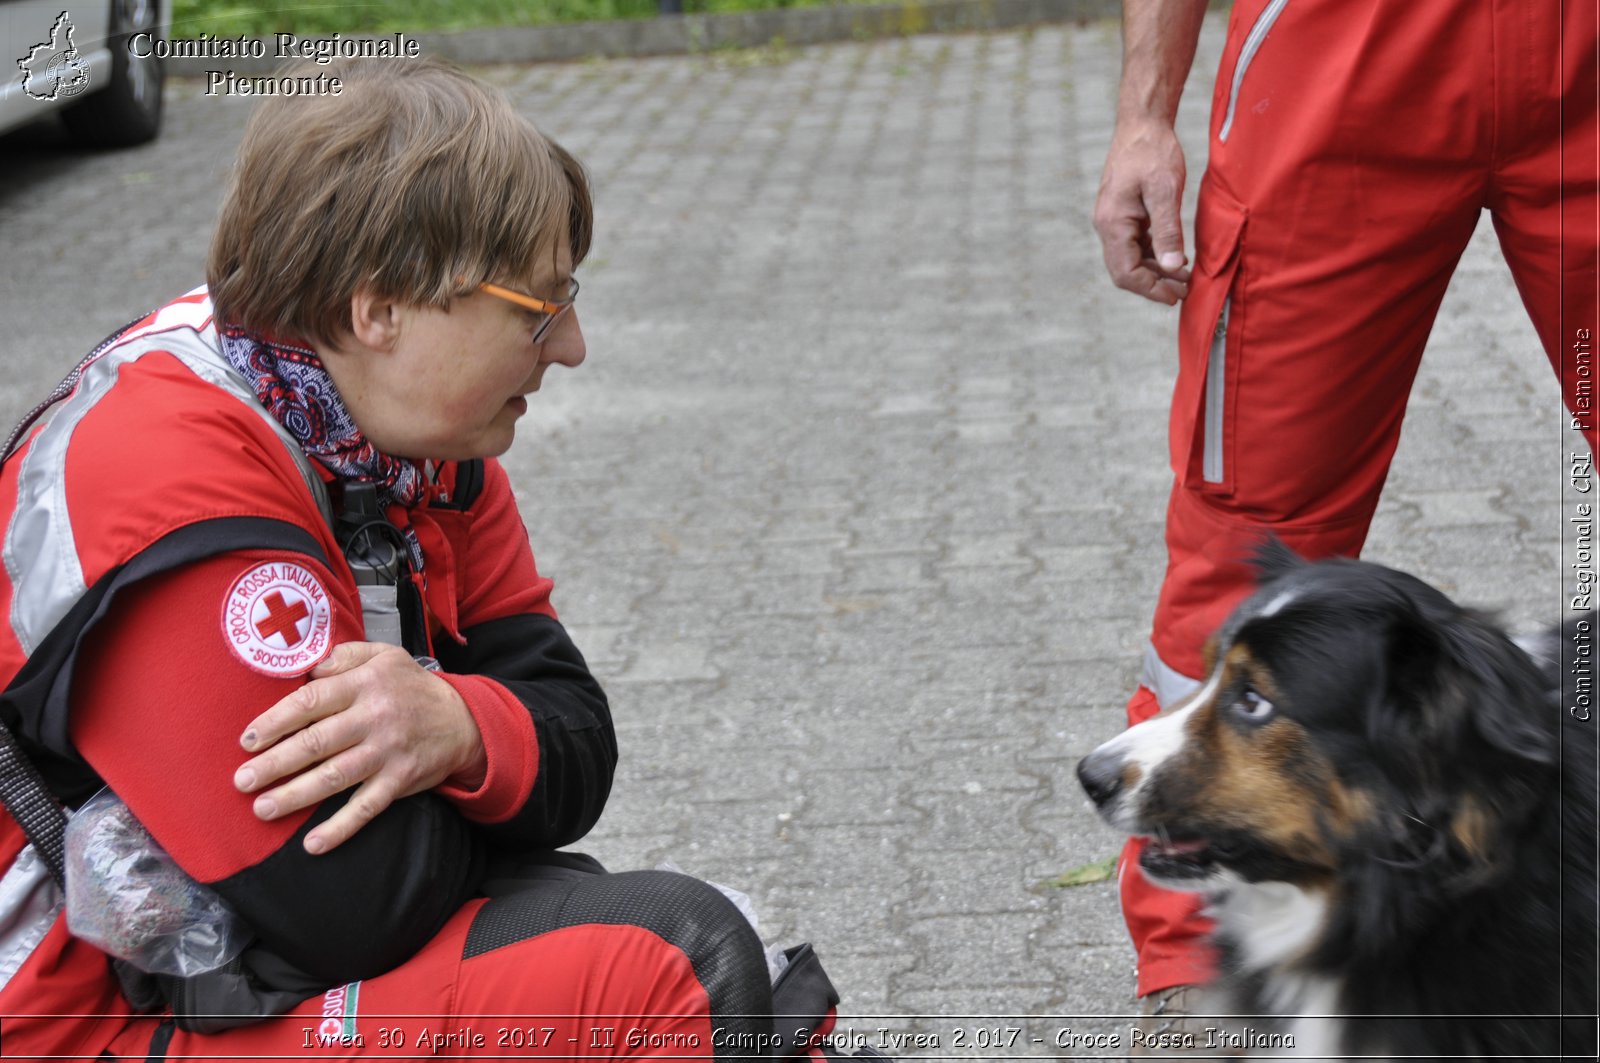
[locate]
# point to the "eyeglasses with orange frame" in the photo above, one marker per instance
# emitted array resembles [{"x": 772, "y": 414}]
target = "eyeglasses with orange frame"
[{"x": 552, "y": 311}]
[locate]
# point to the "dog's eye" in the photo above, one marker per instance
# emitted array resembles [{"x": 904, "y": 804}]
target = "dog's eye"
[{"x": 1252, "y": 706}]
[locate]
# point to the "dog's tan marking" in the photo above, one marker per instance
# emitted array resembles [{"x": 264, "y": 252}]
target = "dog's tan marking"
[
  {"x": 1259, "y": 674},
  {"x": 1349, "y": 809},
  {"x": 1473, "y": 826},
  {"x": 1268, "y": 780}
]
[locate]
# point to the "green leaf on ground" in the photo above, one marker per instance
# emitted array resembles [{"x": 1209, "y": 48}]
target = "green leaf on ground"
[{"x": 1099, "y": 871}]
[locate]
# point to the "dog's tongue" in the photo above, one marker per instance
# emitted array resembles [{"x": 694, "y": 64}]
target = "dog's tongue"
[{"x": 1182, "y": 847}]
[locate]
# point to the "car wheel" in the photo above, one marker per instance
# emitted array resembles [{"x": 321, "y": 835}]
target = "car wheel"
[{"x": 128, "y": 111}]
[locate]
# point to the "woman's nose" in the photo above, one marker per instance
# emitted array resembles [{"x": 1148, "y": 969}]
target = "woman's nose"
[{"x": 565, "y": 344}]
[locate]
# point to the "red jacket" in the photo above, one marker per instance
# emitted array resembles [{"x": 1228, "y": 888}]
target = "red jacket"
[{"x": 129, "y": 517}]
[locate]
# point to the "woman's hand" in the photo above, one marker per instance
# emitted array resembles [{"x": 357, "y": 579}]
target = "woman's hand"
[{"x": 372, "y": 716}]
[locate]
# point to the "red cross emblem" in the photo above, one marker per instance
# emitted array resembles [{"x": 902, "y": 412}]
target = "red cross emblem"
[
  {"x": 282, "y": 619},
  {"x": 278, "y": 619}
]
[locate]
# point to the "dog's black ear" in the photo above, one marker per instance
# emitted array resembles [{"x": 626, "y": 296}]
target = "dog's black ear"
[
  {"x": 1273, "y": 559},
  {"x": 1459, "y": 672},
  {"x": 1507, "y": 697}
]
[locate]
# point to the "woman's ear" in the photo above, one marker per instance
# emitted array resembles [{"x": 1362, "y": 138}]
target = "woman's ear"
[{"x": 374, "y": 322}]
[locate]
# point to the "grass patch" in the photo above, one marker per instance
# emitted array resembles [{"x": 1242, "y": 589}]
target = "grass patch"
[{"x": 307, "y": 18}]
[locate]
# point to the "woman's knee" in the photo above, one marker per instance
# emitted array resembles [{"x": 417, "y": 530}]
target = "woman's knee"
[{"x": 691, "y": 916}]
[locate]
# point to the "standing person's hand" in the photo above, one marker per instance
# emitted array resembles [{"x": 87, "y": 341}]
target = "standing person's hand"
[
  {"x": 371, "y": 717},
  {"x": 1137, "y": 213}
]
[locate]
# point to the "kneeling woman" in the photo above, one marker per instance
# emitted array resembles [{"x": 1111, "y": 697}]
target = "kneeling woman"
[{"x": 266, "y": 581}]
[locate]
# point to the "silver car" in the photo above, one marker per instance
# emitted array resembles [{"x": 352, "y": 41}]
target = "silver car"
[{"x": 76, "y": 61}]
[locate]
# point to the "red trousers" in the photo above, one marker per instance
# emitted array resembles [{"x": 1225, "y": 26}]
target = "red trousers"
[
  {"x": 634, "y": 965},
  {"x": 1353, "y": 146},
  {"x": 580, "y": 991}
]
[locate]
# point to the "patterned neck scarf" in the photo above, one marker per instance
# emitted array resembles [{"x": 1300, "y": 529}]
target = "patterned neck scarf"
[{"x": 294, "y": 387}]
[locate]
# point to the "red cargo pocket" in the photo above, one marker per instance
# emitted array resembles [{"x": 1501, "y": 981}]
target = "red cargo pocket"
[{"x": 1209, "y": 346}]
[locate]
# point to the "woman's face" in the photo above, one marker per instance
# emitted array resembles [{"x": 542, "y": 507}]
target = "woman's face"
[{"x": 450, "y": 385}]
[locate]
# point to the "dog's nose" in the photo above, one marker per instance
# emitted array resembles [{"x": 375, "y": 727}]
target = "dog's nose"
[{"x": 1100, "y": 775}]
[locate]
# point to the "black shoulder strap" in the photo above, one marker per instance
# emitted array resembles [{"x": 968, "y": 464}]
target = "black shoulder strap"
[
  {"x": 470, "y": 478},
  {"x": 23, "y": 792}
]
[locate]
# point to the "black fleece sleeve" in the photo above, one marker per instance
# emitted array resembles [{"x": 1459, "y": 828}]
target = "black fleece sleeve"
[
  {"x": 324, "y": 914},
  {"x": 532, "y": 656}
]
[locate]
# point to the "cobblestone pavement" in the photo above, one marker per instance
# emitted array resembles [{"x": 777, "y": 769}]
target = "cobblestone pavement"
[{"x": 856, "y": 505}]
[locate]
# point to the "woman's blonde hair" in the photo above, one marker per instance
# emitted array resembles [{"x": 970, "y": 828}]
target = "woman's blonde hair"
[{"x": 415, "y": 183}]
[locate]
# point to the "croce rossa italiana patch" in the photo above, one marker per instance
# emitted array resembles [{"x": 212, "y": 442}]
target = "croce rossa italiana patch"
[{"x": 278, "y": 619}]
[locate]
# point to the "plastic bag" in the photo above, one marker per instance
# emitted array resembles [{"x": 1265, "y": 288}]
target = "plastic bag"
[{"x": 127, "y": 897}]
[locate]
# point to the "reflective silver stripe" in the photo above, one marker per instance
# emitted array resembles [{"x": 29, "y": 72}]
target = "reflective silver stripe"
[
  {"x": 30, "y": 902},
  {"x": 1216, "y": 397},
  {"x": 1252, "y": 44},
  {"x": 40, "y": 552},
  {"x": 1169, "y": 685}
]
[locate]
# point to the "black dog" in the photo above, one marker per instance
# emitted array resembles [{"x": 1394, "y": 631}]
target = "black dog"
[{"x": 1391, "y": 806}]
